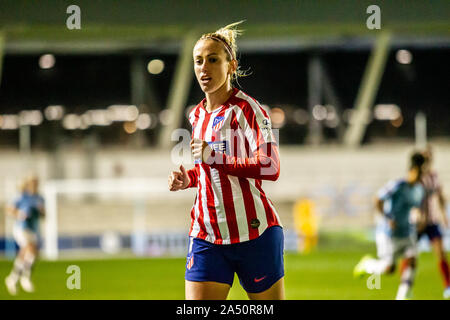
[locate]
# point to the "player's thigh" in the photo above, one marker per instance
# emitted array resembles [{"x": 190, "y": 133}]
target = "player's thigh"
[
  {"x": 208, "y": 274},
  {"x": 276, "y": 292},
  {"x": 408, "y": 249},
  {"x": 32, "y": 249},
  {"x": 206, "y": 290},
  {"x": 24, "y": 238},
  {"x": 384, "y": 244},
  {"x": 261, "y": 263},
  {"x": 386, "y": 251},
  {"x": 438, "y": 247}
]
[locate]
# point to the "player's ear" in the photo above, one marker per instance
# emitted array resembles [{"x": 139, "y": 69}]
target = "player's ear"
[{"x": 232, "y": 66}]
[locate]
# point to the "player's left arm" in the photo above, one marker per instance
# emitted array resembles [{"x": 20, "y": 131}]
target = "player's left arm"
[
  {"x": 264, "y": 160},
  {"x": 41, "y": 207},
  {"x": 441, "y": 200},
  {"x": 418, "y": 212},
  {"x": 443, "y": 206},
  {"x": 264, "y": 163},
  {"x": 42, "y": 212}
]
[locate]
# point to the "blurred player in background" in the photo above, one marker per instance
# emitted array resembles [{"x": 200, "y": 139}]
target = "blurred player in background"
[
  {"x": 27, "y": 210},
  {"x": 235, "y": 227},
  {"x": 396, "y": 236},
  {"x": 432, "y": 214},
  {"x": 306, "y": 222}
]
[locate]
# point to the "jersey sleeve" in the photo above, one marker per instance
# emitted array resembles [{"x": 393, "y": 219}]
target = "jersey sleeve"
[
  {"x": 41, "y": 203},
  {"x": 17, "y": 202},
  {"x": 263, "y": 162},
  {"x": 193, "y": 178},
  {"x": 420, "y": 196},
  {"x": 388, "y": 190},
  {"x": 256, "y": 124},
  {"x": 437, "y": 182}
]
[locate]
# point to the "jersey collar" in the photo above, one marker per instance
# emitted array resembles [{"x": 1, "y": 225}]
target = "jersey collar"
[{"x": 224, "y": 105}]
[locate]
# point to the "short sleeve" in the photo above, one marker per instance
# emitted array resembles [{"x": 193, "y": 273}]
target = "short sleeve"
[
  {"x": 389, "y": 189},
  {"x": 256, "y": 125},
  {"x": 41, "y": 201},
  {"x": 16, "y": 203},
  {"x": 437, "y": 182},
  {"x": 420, "y": 196}
]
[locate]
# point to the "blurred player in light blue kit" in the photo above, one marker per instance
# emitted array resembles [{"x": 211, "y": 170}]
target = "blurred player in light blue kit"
[
  {"x": 27, "y": 210},
  {"x": 396, "y": 236}
]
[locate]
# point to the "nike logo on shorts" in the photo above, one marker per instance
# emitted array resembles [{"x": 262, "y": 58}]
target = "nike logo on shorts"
[{"x": 260, "y": 279}]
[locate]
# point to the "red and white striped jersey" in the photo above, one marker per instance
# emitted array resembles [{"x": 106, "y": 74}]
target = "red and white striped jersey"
[
  {"x": 230, "y": 205},
  {"x": 430, "y": 205}
]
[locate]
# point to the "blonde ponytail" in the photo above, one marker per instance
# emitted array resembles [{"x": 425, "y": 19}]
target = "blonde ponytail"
[{"x": 227, "y": 36}]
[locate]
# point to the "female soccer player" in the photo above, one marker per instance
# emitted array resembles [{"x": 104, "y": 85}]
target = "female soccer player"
[
  {"x": 396, "y": 235},
  {"x": 27, "y": 210},
  {"x": 234, "y": 226},
  {"x": 429, "y": 225}
]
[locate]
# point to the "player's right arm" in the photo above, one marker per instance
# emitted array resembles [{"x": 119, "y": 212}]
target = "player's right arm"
[
  {"x": 12, "y": 211},
  {"x": 384, "y": 194},
  {"x": 16, "y": 213},
  {"x": 179, "y": 180},
  {"x": 379, "y": 204},
  {"x": 442, "y": 205}
]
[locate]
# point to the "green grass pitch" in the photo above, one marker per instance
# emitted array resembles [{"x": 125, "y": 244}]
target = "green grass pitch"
[{"x": 322, "y": 274}]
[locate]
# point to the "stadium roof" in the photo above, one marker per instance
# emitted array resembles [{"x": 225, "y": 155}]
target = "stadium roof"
[{"x": 115, "y": 26}]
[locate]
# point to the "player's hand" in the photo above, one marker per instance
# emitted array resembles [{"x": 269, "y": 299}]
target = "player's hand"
[
  {"x": 42, "y": 211},
  {"x": 22, "y": 216},
  {"x": 178, "y": 180},
  {"x": 421, "y": 221},
  {"x": 10, "y": 211},
  {"x": 200, "y": 150},
  {"x": 421, "y": 225},
  {"x": 392, "y": 224}
]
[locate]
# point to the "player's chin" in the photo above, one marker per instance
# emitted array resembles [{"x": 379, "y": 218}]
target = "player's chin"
[
  {"x": 205, "y": 88},
  {"x": 208, "y": 87}
]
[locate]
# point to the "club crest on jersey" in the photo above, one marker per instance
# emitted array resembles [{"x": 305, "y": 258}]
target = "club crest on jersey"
[
  {"x": 190, "y": 263},
  {"x": 218, "y": 123}
]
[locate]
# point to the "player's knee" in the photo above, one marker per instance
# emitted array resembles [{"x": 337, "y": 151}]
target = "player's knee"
[
  {"x": 413, "y": 262},
  {"x": 441, "y": 255},
  {"x": 390, "y": 269},
  {"x": 22, "y": 252}
]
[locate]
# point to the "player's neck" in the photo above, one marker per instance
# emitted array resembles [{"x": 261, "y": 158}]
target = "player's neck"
[
  {"x": 411, "y": 179},
  {"x": 217, "y": 98}
]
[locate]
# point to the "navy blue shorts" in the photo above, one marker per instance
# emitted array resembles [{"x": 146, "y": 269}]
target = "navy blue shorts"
[
  {"x": 258, "y": 263},
  {"x": 432, "y": 231}
]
